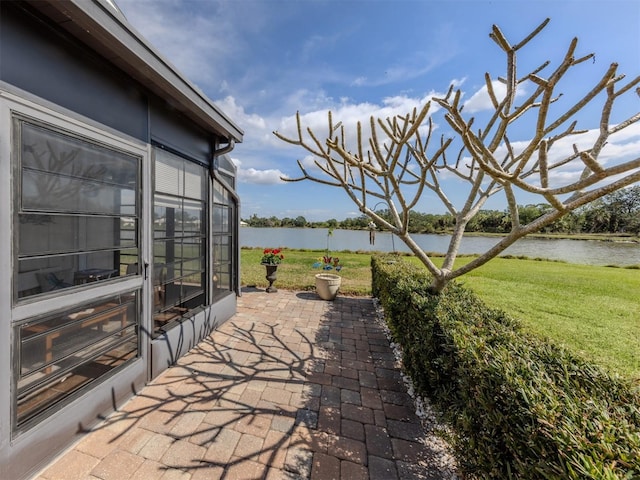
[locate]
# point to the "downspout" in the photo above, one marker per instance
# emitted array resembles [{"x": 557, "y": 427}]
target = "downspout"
[
  {"x": 236, "y": 221},
  {"x": 226, "y": 149}
]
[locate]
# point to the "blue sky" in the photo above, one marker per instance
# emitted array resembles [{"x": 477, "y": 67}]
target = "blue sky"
[{"x": 261, "y": 61}]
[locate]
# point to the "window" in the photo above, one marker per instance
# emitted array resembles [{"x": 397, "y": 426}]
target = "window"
[
  {"x": 179, "y": 246},
  {"x": 77, "y": 216},
  {"x": 223, "y": 251},
  {"x": 226, "y": 170},
  {"x": 61, "y": 353},
  {"x": 76, "y": 226}
]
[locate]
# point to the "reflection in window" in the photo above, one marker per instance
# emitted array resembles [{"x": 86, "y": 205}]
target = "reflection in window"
[
  {"x": 179, "y": 247},
  {"x": 78, "y": 211}
]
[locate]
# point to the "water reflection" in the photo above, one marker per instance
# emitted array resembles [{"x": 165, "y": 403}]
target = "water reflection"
[{"x": 588, "y": 252}]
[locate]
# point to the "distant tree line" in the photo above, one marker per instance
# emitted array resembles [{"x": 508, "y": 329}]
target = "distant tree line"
[{"x": 618, "y": 212}]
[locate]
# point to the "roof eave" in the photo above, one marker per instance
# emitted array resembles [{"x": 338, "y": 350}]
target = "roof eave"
[{"x": 107, "y": 31}]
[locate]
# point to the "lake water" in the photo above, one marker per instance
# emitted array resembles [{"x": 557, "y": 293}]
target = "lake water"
[{"x": 590, "y": 252}]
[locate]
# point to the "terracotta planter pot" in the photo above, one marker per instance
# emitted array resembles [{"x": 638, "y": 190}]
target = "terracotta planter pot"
[{"x": 327, "y": 285}]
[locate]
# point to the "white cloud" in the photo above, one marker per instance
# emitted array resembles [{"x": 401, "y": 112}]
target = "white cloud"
[
  {"x": 621, "y": 147},
  {"x": 349, "y": 114},
  {"x": 481, "y": 101},
  {"x": 251, "y": 175},
  {"x": 237, "y": 113},
  {"x": 260, "y": 177},
  {"x": 267, "y": 168}
]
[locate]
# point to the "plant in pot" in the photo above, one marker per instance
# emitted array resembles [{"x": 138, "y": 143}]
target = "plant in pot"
[
  {"x": 271, "y": 258},
  {"x": 328, "y": 284}
]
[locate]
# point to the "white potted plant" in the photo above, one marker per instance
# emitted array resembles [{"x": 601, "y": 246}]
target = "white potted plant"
[{"x": 328, "y": 284}]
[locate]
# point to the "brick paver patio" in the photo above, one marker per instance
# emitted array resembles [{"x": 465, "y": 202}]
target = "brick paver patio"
[{"x": 292, "y": 387}]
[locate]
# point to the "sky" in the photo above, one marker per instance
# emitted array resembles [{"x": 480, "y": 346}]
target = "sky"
[{"x": 261, "y": 61}]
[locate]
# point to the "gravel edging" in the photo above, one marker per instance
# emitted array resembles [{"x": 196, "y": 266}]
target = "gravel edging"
[{"x": 440, "y": 463}]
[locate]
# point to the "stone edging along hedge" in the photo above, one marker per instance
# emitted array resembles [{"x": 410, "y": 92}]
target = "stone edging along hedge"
[{"x": 520, "y": 406}]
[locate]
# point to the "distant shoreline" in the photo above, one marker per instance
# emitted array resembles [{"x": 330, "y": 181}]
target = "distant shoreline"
[{"x": 601, "y": 237}]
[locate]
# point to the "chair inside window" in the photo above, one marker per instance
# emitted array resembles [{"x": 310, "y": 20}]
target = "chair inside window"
[{"x": 54, "y": 280}]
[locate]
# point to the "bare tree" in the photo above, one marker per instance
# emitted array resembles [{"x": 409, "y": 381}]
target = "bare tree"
[{"x": 400, "y": 164}]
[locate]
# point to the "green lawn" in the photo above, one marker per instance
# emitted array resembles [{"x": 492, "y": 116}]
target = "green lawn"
[
  {"x": 296, "y": 271},
  {"x": 592, "y": 310}
]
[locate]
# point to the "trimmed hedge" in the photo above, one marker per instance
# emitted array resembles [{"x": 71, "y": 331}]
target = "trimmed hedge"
[{"x": 520, "y": 406}]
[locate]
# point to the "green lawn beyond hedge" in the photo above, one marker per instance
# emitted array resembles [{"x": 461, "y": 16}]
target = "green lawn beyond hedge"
[
  {"x": 520, "y": 406},
  {"x": 595, "y": 311}
]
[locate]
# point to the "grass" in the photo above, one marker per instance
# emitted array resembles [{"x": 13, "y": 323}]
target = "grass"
[
  {"x": 296, "y": 271},
  {"x": 592, "y": 310}
]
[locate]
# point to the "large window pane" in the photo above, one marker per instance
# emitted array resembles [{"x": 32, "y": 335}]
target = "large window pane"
[
  {"x": 57, "y": 193},
  {"x": 77, "y": 218},
  {"x": 62, "y": 173},
  {"x": 52, "y": 234},
  {"x": 45, "y": 274},
  {"x": 78, "y": 214},
  {"x": 180, "y": 234},
  {"x": 222, "y": 242},
  {"x": 61, "y": 353}
]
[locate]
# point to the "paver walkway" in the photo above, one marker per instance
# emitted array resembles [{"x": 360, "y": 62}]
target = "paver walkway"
[{"x": 292, "y": 387}]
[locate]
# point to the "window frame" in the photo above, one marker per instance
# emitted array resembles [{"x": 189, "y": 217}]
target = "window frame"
[
  {"x": 60, "y": 127},
  {"x": 67, "y": 301},
  {"x": 176, "y": 313},
  {"x": 61, "y": 400},
  {"x": 231, "y": 233}
]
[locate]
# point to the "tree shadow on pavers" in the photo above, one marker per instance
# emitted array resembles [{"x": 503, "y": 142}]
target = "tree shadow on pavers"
[
  {"x": 264, "y": 396},
  {"x": 251, "y": 389},
  {"x": 239, "y": 400}
]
